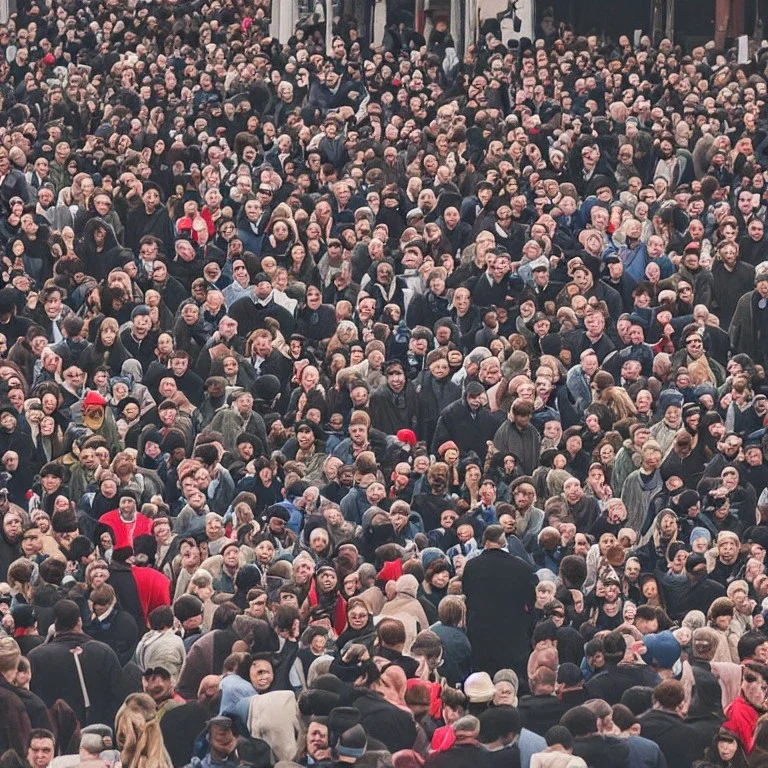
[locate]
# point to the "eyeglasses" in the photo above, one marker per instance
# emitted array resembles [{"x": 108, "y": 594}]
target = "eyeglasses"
[{"x": 265, "y": 192}]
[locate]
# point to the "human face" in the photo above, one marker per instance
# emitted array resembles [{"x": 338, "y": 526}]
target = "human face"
[
  {"x": 261, "y": 675},
  {"x": 317, "y": 742},
  {"x": 396, "y": 379},
  {"x": 357, "y": 617},
  {"x": 40, "y": 753}
]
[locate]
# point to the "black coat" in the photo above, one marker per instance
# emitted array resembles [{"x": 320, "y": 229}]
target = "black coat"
[
  {"x": 602, "y": 751},
  {"x": 540, "y": 713},
  {"x": 677, "y": 740},
  {"x": 611, "y": 683},
  {"x": 385, "y": 722},
  {"x": 119, "y": 631},
  {"x": 390, "y": 412},
  {"x": 54, "y": 676},
  {"x": 461, "y": 755},
  {"x": 500, "y": 591},
  {"x": 470, "y": 434},
  {"x": 250, "y": 316}
]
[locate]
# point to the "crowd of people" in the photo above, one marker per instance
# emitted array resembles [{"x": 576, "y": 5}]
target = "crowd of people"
[{"x": 380, "y": 405}]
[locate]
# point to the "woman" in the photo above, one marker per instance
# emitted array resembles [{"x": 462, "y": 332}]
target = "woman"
[
  {"x": 726, "y": 751},
  {"x": 360, "y": 627},
  {"x": 434, "y": 587},
  {"x": 302, "y": 269},
  {"x": 189, "y": 332},
  {"x": 138, "y": 735},
  {"x": 106, "y": 350}
]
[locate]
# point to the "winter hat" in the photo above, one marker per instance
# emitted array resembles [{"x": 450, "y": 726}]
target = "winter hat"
[
  {"x": 275, "y": 510},
  {"x": 407, "y": 585},
  {"x": 353, "y": 742},
  {"x": 341, "y": 719},
  {"x": 94, "y": 400},
  {"x": 735, "y": 586},
  {"x": 407, "y": 436},
  {"x": 429, "y": 555},
  {"x": 662, "y": 650},
  {"x": 728, "y": 535},
  {"x": 318, "y": 703},
  {"x": 507, "y": 676},
  {"x": 700, "y": 533},
  {"x": 667, "y": 398},
  {"x": 173, "y": 440},
  {"x": 704, "y": 644},
  {"x": 24, "y": 616},
  {"x": 721, "y": 606},
  {"x": 686, "y": 500},
  {"x": 479, "y": 688},
  {"x": 187, "y": 607}
]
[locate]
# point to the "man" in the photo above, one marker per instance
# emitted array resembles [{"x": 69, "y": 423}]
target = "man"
[
  {"x": 616, "y": 677},
  {"x": 139, "y": 339},
  {"x": 579, "y": 378},
  {"x": 223, "y": 341},
  {"x": 42, "y": 748},
  {"x": 251, "y": 311},
  {"x": 15, "y": 725},
  {"x": 74, "y": 667},
  {"x": 394, "y": 405},
  {"x": 149, "y": 218},
  {"x": 221, "y": 745},
  {"x": 125, "y": 521},
  {"x": 467, "y": 422},
  {"x": 596, "y": 750},
  {"x": 702, "y": 367},
  {"x": 516, "y": 435},
  {"x": 643, "y": 753},
  {"x": 749, "y": 325},
  {"x": 486, "y": 624},
  {"x": 499, "y": 733},
  {"x": 158, "y": 683},
  {"x": 641, "y": 486},
  {"x": 665, "y": 726},
  {"x": 112, "y": 625}
]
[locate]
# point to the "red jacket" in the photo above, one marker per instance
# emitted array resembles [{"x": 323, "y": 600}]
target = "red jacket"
[
  {"x": 153, "y": 588},
  {"x": 125, "y": 533},
  {"x": 741, "y": 719}
]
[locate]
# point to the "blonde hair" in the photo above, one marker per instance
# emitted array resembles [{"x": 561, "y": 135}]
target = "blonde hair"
[{"x": 138, "y": 735}]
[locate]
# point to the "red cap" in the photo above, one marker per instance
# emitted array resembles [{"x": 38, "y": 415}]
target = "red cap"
[
  {"x": 93, "y": 399},
  {"x": 406, "y": 436}
]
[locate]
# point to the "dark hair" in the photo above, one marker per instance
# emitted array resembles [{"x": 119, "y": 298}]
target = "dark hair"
[
  {"x": 544, "y": 630},
  {"x": 498, "y": 722},
  {"x": 749, "y": 642},
  {"x": 580, "y": 721},
  {"x": 559, "y": 734},
  {"x": 623, "y": 716},
  {"x": 224, "y": 616},
  {"x": 161, "y": 617},
  {"x": 638, "y": 699},
  {"x": 285, "y": 616},
  {"x": 40, "y": 733},
  {"x": 66, "y": 614},
  {"x": 614, "y": 647}
]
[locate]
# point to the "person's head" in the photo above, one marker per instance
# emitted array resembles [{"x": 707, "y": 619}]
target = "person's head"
[
  {"x": 41, "y": 749},
  {"x": 669, "y": 695}
]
